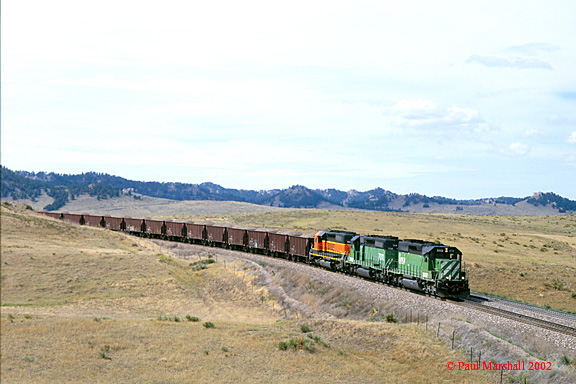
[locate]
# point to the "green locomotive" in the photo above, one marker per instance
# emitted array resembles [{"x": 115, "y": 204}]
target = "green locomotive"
[{"x": 433, "y": 268}]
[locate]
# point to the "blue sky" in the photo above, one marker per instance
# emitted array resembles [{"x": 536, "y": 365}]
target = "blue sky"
[{"x": 455, "y": 98}]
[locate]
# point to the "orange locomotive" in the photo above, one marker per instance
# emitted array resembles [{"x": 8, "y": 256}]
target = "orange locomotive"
[{"x": 331, "y": 247}]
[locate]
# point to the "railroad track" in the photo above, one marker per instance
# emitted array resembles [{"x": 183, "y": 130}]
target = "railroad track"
[
  {"x": 479, "y": 306},
  {"x": 476, "y": 302},
  {"x": 548, "y": 312}
]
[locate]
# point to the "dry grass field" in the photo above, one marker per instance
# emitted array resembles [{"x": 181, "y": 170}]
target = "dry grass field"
[
  {"x": 529, "y": 258},
  {"x": 84, "y": 305}
]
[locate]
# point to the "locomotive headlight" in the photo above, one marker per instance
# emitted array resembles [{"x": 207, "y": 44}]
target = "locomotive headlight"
[{"x": 463, "y": 277}]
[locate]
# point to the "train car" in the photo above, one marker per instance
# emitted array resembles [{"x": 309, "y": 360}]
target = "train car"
[
  {"x": 136, "y": 226},
  {"x": 154, "y": 228},
  {"x": 237, "y": 238},
  {"x": 299, "y": 247},
  {"x": 73, "y": 218},
  {"x": 174, "y": 230},
  {"x": 370, "y": 256},
  {"x": 432, "y": 268},
  {"x": 194, "y": 233},
  {"x": 331, "y": 248},
  {"x": 215, "y": 235},
  {"x": 277, "y": 244},
  {"x": 258, "y": 241},
  {"x": 93, "y": 221},
  {"x": 113, "y": 223},
  {"x": 55, "y": 215}
]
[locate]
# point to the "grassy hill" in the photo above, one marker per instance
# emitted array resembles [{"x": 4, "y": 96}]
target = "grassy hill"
[{"x": 87, "y": 305}]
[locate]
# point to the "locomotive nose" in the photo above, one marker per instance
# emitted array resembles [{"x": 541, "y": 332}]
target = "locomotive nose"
[{"x": 450, "y": 269}]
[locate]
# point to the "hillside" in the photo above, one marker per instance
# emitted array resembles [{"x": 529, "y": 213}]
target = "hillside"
[
  {"x": 105, "y": 307},
  {"x": 61, "y": 190}
]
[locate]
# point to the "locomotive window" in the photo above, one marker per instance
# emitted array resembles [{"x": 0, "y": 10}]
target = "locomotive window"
[{"x": 379, "y": 244}]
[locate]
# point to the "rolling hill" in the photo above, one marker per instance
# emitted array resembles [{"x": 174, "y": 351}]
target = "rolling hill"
[{"x": 58, "y": 190}]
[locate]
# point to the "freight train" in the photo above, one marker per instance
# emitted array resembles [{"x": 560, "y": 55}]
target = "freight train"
[{"x": 433, "y": 268}]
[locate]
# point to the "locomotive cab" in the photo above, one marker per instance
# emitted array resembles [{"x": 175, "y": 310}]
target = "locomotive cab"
[
  {"x": 331, "y": 248},
  {"x": 451, "y": 276}
]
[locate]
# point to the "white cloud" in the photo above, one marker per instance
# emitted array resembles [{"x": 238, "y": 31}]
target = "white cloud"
[
  {"x": 532, "y": 49},
  {"x": 532, "y": 132},
  {"x": 572, "y": 138},
  {"x": 428, "y": 117},
  {"x": 518, "y": 149},
  {"x": 514, "y": 62}
]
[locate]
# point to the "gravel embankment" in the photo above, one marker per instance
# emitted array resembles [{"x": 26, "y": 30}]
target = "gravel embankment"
[{"x": 496, "y": 339}]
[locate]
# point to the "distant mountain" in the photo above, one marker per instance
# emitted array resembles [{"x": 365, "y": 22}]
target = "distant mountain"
[
  {"x": 21, "y": 185},
  {"x": 550, "y": 199},
  {"x": 296, "y": 196},
  {"x": 61, "y": 188}
]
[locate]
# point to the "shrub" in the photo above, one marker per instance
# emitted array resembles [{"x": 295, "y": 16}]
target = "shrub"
[
  {"x": 558, "y": 284},
  {"x": 192, "y": 318},
  {"x": 283, "y": 345},
  {"x": 319, "y": 340},
  {"x": 208, "y": 324},
  {"x": 305, "y": 328},
  {"x": 104, "y": 352},
  {"x": 201, "y": 264},
  {"x": 293, "y": 343},
  {"x": 308, "y": 345},
  {"x": 391, "y": 318},
  {"x": 303, "y": 343}
]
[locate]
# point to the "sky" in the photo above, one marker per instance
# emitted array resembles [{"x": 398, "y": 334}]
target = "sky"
[{"x": 463, "y": 99}]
